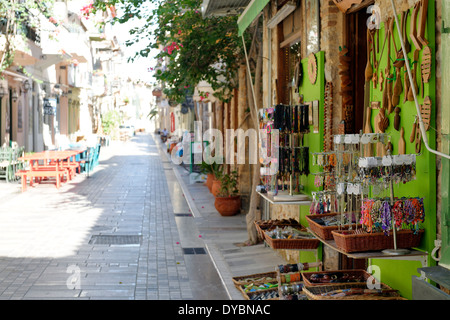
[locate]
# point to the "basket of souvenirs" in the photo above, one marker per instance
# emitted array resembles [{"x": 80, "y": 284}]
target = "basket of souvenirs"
[
  {"x": 351, "y": 292},
  {"x": 267, "y": 225},
  {"x": 271, "y": 294},
  {"x": 323, "y": 224},
  {"x": 290, "y": 237},
  {"x": 335, "y": 277},
  {"x": 252, "y": 289},
  {"x": 361, "y": 241},
  {"x": 255, "y": 278}
]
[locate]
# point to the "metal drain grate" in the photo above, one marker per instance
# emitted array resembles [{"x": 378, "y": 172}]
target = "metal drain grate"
[
  {"x": 115, "y": 239},
  {"x": 194, "y": 251},
  {"x": 183, "y": 214}
]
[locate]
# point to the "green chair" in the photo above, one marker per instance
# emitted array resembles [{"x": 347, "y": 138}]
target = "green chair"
[{"x": 6, "y": 163}]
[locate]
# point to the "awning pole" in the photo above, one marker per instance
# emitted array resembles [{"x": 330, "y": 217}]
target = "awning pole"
[
  {"x": 250, "y": 77},
  {"x": 408, "y": 68}
]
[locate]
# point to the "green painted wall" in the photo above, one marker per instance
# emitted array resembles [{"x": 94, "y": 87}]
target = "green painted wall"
[
  {"x": 394, "y": 272},
  {"x": 314, "y": 141},
  {"x": 445, "y": 130}
]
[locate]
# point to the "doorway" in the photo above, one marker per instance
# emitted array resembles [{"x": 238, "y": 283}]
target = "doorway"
[{"x": 356, "y": 41}]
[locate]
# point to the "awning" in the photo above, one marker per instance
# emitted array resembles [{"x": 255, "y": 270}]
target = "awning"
[{"x": 250, "y": 13}]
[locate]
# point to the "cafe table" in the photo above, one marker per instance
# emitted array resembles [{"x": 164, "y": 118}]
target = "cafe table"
[{"x": 50, "y": 163}]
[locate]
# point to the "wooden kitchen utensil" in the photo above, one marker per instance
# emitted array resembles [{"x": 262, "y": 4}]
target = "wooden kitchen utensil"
[
  {"x": 425, "y": 112},
  {"x": 369, "y": 70},
  {"x": 401, "y": 142},
  {"x": 397, "y": 118},
  {"x": 413, "y": 28},
  {"x": 397, "y": 89},
  {"x": 412, "y": 137}
]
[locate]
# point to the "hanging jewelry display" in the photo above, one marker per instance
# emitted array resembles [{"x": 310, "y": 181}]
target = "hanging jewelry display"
[{"x": 292, "y": 157}]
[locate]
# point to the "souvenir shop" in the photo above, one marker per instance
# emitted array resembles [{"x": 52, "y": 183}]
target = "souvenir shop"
[{"x": 362, "y": 189}]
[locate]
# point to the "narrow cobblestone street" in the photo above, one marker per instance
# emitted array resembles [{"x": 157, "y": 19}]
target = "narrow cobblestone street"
[{"x": 112, "y": 235}]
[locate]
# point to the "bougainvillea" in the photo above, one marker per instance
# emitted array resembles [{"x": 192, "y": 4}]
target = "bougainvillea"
[{"x": 190, "y": 48}]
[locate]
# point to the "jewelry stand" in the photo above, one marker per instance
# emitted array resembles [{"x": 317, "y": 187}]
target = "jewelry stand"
[{"x": 395, "y": 251}]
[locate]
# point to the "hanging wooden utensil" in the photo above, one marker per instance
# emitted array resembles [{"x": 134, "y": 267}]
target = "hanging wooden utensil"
[
  {"x": 414, "y": 71},
  {"x": 369, "y": 70},
  {"x": 413, "y": 28},
  {"x": 418, "y": 142},
  {"x": 412, "y": 137},
  {"x": 425, "y": 112},
  {"x": 397, "y": 89},
  {"x": 422, "y": 23},
  {"x": 397, "y": 118},
  {"x": 399, "y": 61},
  {"x": 405, "y": 35},
  {"x": 401, "y": 142},
  {"x": 426, "y": 54}
]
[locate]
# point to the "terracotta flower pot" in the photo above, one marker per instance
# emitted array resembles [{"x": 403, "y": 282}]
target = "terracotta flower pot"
[
  {"x": 215, "y": 189},
  {"x": 209, "y": 181},
  {"x": 228, "y": 206}
]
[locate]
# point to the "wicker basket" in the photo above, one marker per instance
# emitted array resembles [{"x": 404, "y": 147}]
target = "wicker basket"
[
  {"x": 324, "y": 232},
  {"x": 255, "y": 278},
  {"x": 360, "y": 277},
  {"x": 251, "y": 295},
  {"x": 263, "y": 225},
  {"x": 316, "y": 292},
  {"x": 291, "y": 243},
  {"x": 349, "y": 241}
]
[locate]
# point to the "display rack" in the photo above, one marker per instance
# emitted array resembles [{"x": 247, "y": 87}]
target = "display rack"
[{"x": 358, "y": 184}]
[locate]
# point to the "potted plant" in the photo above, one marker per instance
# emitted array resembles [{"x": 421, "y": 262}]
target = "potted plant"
[
  {"x": 211, "y": 170},
  {"x": 228, "y": 201}
]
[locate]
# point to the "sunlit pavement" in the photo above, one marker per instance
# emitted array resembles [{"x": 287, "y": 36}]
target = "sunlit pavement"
[
  {"x": 135, "y": 229},
  {"x": 49, "y": 238}
]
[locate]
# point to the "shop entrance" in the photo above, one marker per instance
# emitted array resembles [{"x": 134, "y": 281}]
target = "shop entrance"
[{"x": 355, "y": 38}]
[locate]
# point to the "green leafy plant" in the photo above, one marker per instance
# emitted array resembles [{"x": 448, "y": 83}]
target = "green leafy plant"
[
  {"x": 191, "y": 48},
  {"x": 111, "y": 121},
  {"x": 213, "y": 168},
  {"x": 228, "y": 184}
]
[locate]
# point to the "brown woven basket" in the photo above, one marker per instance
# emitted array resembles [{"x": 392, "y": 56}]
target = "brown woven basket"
[
  {"x": 249, "y": 295},
  {"x": 316, "y": 292},
  {"x": 255, "y": 278},
  {"x": 349, "y": 241},
  {"x": 324, "y": 232},
  {"x": 263, "y": 225},
  {"x": 291, "y": 243},
  {"x": 361, "y": 274}
]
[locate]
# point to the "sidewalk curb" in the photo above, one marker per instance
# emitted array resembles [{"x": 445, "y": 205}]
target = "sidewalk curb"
[{"x": 214, "y": 253}]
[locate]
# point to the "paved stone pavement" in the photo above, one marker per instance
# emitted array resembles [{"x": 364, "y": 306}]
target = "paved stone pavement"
[{"x": 123, "y": 233}]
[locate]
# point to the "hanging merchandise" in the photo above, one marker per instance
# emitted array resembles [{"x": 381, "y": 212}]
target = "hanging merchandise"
[{"x": 292, "y": 158}]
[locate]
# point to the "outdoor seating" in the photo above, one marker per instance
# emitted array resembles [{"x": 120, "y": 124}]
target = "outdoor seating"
[
  {"x": 87, "y": 163},
  {"x": 5, "y": 163},
  {"x": 10, "y": 163},
  {"x": 47, "y": 164}
]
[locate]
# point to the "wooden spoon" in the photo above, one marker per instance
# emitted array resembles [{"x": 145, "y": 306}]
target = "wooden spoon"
[
  {"x": 369, "y": 70},
  {"x": 401, "y": 142},
  {"x": 397, "y": 89}
]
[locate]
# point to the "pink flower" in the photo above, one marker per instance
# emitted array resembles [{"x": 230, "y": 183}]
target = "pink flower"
[{"x": 179, "y": 31}]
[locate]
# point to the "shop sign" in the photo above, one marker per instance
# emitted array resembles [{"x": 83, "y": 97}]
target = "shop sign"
[
  {"x": 50, "y": 106},
  {"x": 344, "y": 5},
  {"x": 172, "y": 122}
]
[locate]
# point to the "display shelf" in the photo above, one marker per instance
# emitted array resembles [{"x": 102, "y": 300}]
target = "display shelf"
[
  {"x": 413, "y": 255},
  {"x": 272, "y": 200}
]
